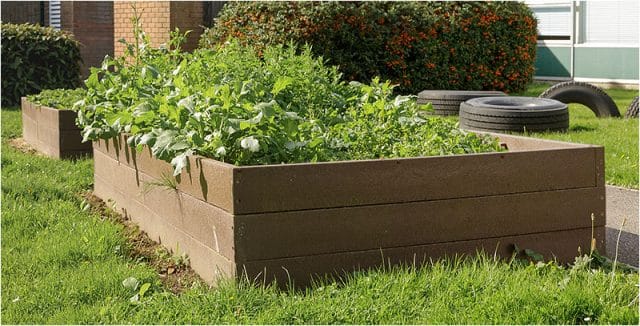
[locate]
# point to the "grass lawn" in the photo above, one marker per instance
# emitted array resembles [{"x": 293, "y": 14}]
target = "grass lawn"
[
  {"x": 619, "y": 136},
  {"x": 63, "y": 263}
]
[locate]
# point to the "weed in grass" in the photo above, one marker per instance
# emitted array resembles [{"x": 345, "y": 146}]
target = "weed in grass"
[
  {"x": 615, "y": 258},
  {"x": 166, "y": 181}
]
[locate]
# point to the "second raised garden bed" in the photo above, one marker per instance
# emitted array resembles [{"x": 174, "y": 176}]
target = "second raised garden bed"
[
  {"x": 297, "y": 221},
  {"x": 52, "y": 132}
]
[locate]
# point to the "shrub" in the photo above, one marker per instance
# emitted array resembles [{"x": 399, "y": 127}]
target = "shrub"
[
  {"x": 417, "y": 45},
  {"x": 61, "y": 99},
  {"x": 233, "y": 105},
  {"x": 36, "y": 58}
]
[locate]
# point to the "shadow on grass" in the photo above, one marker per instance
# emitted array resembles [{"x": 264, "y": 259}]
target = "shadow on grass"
[{"x": 580, "y": 128}]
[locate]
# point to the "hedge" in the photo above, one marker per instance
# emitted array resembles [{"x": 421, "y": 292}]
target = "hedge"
[
  {"x": 417, "y": 45},
  {"x": 36, "y": 58}
]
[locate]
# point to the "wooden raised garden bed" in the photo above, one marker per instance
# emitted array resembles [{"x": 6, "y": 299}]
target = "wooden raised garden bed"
[
  {"x": 301, "y": 220},
  {"x": 52, "y": 131}
]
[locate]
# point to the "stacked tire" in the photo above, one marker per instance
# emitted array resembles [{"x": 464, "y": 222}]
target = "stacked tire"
[
  {"x": 447, "y": 102},
  {"x": 514, "y": 114}
]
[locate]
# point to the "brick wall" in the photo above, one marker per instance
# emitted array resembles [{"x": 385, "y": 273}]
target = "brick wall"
[
  {"x": 155, "y": 20},
  {"x": 158, "y": 18},
  {"x": 91, "y": 23},
  {"x": 19, "y": 12}
]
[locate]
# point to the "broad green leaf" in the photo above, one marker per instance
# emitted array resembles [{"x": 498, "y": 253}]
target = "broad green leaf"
[
  {"x": 315, "y": 142},
  {"x": 268, "y": 109},
  {"x": 187, "y": 103},
  {"x": 144, "y": 288},
  {"x": 281, "y": 84},
  {"x": 180, "y": 162},
  {"x": 290, "y": 127},
  {"x": 130, "y": 283}
]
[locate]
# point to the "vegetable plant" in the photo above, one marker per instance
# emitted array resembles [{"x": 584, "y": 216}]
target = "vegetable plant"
[
  {"x": 61, "y": 99},
  {"x": 231, "y": 104}
]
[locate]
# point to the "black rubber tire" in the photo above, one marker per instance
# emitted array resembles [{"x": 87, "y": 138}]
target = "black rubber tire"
[
  {"x": 586, "y": 94},
  {"x": 449, "y": 95},
  {"x": 446, "y": 109},
  {"x": 514, "y": 114},
  {"x": 515, "y": 120},
  {"x": 632, "y": 111},
  {"x": 495, "y": 127},
  {"x": 447, "y": 102}
]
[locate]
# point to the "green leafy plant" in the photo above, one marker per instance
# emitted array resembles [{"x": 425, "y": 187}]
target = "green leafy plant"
[
  {"x": 139, "y": 290},
  {"x": 245, "y": 108},
  {"x": 36, "y": 58},
  {"x": 417, "y": 45},
  {"x": 61, "y": 99}
]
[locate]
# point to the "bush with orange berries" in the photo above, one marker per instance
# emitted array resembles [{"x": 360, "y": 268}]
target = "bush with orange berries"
[{"x": 417, "y": 45}]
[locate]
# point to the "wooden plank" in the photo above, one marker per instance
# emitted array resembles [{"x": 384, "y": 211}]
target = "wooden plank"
[
  {"x": 113, "y": 198},
  {"x": 205, "y": 261},
  {"x": 29, "y": 128},
  {"x": 25, "y": 105},
  {"x": 47, "y": 116},
  {"x": 310, "y": 232},
  {"x": 67, "y": 119},
  {"x": 71, "y": 140},
  {"x": 122, "y": 177},
  {"x": 563, "y": 245},
  {"x": 206, "y": 223},
  {"x": 275, "y": 188},
  {"x": 117, "y": 149},
  {"x": 210, "y": 181},
  {"x": 152, "y": 166},
  {"x": 599, "y": 162},
  {"x": 209, "y": 225},
  {"x": 208, "y": 263},
  {"x": 48, "y": 140},
  {"x": 521, "y": 143},
  {"x": 206, "y": 179}
]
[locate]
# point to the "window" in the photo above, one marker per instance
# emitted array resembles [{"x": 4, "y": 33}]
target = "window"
[
  {"x": 600, "y": 26},
  {"x": 54, "y": 14},
  {"x": 554, "y": 19}
]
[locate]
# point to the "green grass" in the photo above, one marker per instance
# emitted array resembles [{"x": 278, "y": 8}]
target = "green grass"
[
  {"x": 64, "y": 264},
  {"x": 618, "y": 136}
]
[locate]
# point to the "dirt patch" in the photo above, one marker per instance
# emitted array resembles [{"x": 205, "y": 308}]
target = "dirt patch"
[
  {"x": 173, "y": 270},
  {"x": 21, "y": 145}
]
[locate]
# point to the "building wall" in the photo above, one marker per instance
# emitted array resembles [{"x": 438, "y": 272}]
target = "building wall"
[
  {"x": 157, "y": 19},
  {"x": 588, "y": 40},
  {"x": 19, "y": 12},
  {"x": 591, "y": 62},
  {"x": 154, "y": 17},
  {"x": 91, "y": 23},
  {"x": 553, "y": 61},
  {"x": 607, "y": 63}
]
